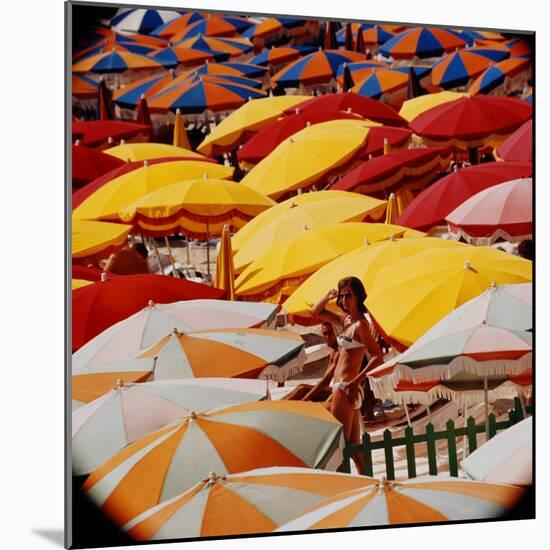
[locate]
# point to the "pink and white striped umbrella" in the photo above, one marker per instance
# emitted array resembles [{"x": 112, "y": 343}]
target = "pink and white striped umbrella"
[{"x": 502, "y": 211}]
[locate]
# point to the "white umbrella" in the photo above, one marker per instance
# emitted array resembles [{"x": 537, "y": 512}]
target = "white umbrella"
[{"x": 506, "y": 458}]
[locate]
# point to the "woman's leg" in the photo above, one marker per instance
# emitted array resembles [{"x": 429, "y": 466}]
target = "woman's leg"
[{"x": 342, "y": 410}]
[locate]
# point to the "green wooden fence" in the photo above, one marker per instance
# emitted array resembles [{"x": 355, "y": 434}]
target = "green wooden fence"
[{"x": 430, "y": 437}]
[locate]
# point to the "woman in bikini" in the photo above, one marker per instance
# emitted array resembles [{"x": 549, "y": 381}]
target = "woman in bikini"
[{"x": 355, "y": 342}]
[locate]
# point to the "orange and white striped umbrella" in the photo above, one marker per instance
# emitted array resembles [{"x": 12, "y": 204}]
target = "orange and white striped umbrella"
[
  {"x": 257, "y": 501},
  {"x": 130, "y": 411},
  {"x": 228, "y": 353},
  {"x": 422, "y": 500},
  {"x": 163, "y": 464}
]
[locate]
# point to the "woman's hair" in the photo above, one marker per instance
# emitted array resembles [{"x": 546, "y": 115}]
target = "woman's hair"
[{"x": 357, "y": 288}]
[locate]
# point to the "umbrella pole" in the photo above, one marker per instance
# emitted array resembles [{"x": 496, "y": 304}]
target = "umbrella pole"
[
  {"x": 486, "y": 398},
  {"x": 207, "y": 249},
  {"x": 187, "y": 249},
  {"x": 407, "y": 415},
  {"x": 157, "y": 254},
  {"x": 465, "y": 413},
  {"x": 174, "y": 272}
]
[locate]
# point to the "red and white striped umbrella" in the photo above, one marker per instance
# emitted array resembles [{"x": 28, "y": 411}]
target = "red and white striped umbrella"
[{"x": 502, "y": 211}]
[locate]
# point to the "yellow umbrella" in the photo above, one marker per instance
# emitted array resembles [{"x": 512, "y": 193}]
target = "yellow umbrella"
[
  {"x": 304, "y": 158},
  {"x": 90, "y": 237},
  {"x": 417, "y": 105},
  {"x": 281, "y": 223},
  {"x": 200, "y": 207},
  {"x": 147, "y": 151},
  {"x": 283, "y": 268},
  {"x": 251, "y": 117},
  {"x": 364, "y": 263},
  {"x": 108, "y": 200},
  {"x": 225, "y": 275},
  {"x": 391, "y": 209},
  {"x": 408, "y": 297},
  {"x": 79, "y": 283},
  {"x": 180, "y": 134}
]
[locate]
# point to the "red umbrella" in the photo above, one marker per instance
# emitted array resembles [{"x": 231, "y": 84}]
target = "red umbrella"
[
  {"x": 83, "y": 193},
  {"x": 360, "y": 105},
  {"x": 88, "y": 273},
  {"x": 397, "y": 137},
  {"x": 105, "y": 107},
  {"x": 98, "y": 306},
  {"x": 97, "y": 132},
  {"x": 261, "y": 144},
  {"x": 430, "y": 207},
  {"x": 501, "y": 211},
  {"x": 519, "y": 146},
  {"x": 407, "y": 168},
  {"x": 470, "y": 122},
  {"x": 89, "y": 164}
]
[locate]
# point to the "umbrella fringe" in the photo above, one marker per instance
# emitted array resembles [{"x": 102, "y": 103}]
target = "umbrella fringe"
[
  {"x": 507, "y": 390},
  {"x": 386, "y": 384},
  {"x": 273, "y": 293},
  {"x": 284, "y": 372},
  {"x": 457, "y": 233},
  {"x": 439, "y": 163},
  {"x": 492, "y": 140}
]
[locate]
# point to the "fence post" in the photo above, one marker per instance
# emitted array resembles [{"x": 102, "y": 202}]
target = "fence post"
[
  {"x": 346, "y": 456},
  {"x": 472, "y": 438},
  {"x": 432, "y": 453},
  {"x": 411, "y": 459},
  {"x": 388, "y": 452},
  {"x": 367, "y": 455},
  {"x": 518, "y": 409},
  {"x": 492, "y": 426},
  {"x": 451, "y": 447}
]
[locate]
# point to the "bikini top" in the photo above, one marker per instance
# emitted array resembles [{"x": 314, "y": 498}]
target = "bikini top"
[{"x": 347, "y": 342}]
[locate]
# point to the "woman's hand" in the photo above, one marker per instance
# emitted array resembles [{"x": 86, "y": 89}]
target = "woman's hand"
[{"x": 332, "y": 294}]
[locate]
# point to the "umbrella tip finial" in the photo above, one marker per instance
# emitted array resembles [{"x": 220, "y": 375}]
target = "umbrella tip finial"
[
  {"x": 120, "y": 383},
  {"x": 123, "y": 142},
  {"x": 297, "y": 110},
  {"x": 493, "y": 284},
  {"x": 308, "y": 123},
  {"x": 77, "y": 142},
  {"x": 178, "y": 111},
  {"x": 150, "y": 303},
  {"x": 305, "y": 227},
  {"x": 349, "y": 110},
  {"x": 291, "y": 140},
  {"x": 142, "y": 96},
  {"x": 110, "y": 139},
  {"x": 366, "y": 242},
  {"x": 193, "y": 415},
  {"x": 467, "y": 264},
  {"x": 175, "y": 331},
  {"x": 205, "y": 176},
  {"x": 392, "y": 195},
  {"x": 145, "y": 163},
  {"x": 103, "y": 277},
  {"x": 393, "y": 238}
]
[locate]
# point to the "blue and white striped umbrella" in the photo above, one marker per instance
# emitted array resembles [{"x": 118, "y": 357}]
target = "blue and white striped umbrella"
[{"x": 142, "y": 20}]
